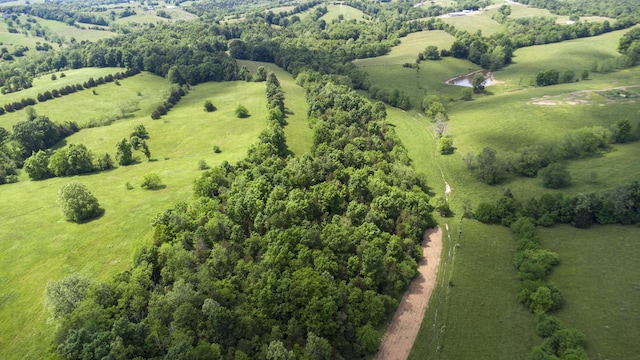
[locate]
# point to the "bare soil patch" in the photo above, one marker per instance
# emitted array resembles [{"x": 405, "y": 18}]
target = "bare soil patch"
[
  {"x": 403, "y": 330},
  {"x": 587, "y": 97}
]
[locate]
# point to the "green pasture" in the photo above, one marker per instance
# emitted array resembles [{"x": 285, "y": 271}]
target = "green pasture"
[
  {"x": 68, "y": 31},
  {"x": 409, "y": 48},
  {"x": 297, "y": 131},
  {"x": 10, "y": 40},
  {"x": 478, "y": 316},
  {"x": 177, "y": 13},
  {"x": 480, "y": 306},
  {"x": 389, "y": 73},
  {"x": 474, "y": 313},
  {"x": 599, "y": 282},
  {"x": 139, "y": 95},
  {"x": 349, "y": 13},
  {"x": 38, "y": 246},
  {"x": 281, "y": 9},
  {"x": 576, "y": 55},
  {"x": 473, "y": 22},
  {"x": 145, "y": 16}
]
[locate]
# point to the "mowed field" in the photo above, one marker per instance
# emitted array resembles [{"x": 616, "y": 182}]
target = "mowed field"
[
  {"x": 600, "y": 286},
  {"x": 38, "y": 246},
  {"x": 474, "y": 312}
]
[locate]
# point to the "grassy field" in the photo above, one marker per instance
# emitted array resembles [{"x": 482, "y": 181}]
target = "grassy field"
[
  {"x": 297, "y": 131},
  {"x": 387, "y": 71},
  {"x": 105, "y": 104},
  {"x": 600, "y": 286},
  {"x": 37, "y": 246},
  {"x": 349, "y": 13},
  {"x": 480, "y": 307},
  {"x": 478, "y": 317},
  {"x": 475, "y": 21},
  {"x": 281, "y": 9},
  {"x": 69, "y": 32}
]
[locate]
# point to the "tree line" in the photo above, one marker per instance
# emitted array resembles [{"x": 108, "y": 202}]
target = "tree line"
[{"x": 491, "y": 168}]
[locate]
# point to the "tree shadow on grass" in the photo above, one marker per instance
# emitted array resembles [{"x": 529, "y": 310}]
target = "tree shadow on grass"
[
  {"x": 155, "y": 188},
  {"x": 99, "y": 215}
]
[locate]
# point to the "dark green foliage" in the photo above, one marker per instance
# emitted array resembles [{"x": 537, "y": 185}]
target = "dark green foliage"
[
  {"x": 566, "y": 340},
  {"x": 66, "y": 295},
  {"x": 445, "y": 145},
  {"x": 618, "y": 205},
  {"x": 478, "y": 82},
  {"x": 104, "y": 162},
  {"x": 622, "y": 132},
  {"x": 140, "y": 132},
  {"x": 555, "y": 176},
  {"x": 151, "y": 181},
  {"x": 241, "y": 112},
  {"x": 535, "y": 264},
  {"x": 71, "y": 160},
  {"x": 208, "y": 106},
  {"x": 37, "y": 166},
  {"x": 546, "y": 325},
  {"x": 77, "y": 203},
  {"x": 568, "y": 76},
  {"x": 393, "y": 97},
  {"x": 549, "y": 77},
  {"x": 466, "y": 94},
  {"x": 585, "y": 75},
  {"x": 37, "y": 134},
  {"x": 260, "y": 75},
  {"x": 490, "y": 169},
  {"x": 124, "y": 152}
]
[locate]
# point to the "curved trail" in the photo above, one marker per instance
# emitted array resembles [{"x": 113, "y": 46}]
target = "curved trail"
[{"x": 403, "y": 330}]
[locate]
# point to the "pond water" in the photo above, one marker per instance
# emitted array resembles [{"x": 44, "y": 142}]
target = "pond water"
[{"x": 467, "y": 80}]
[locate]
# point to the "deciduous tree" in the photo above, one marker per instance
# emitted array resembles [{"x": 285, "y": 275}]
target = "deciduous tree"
[{"x": 77, "y": 203}]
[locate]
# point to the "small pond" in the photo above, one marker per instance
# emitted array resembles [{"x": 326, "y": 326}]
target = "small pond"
[{"x": 467, "y": 80}]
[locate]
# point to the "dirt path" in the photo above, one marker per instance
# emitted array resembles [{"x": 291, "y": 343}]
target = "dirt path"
[{"x": 403, "y": 330}]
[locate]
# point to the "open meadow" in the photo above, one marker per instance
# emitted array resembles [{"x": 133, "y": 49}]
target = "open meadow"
[
  {"x": 297, "y": 130},
  {"x": 599, "y": 285},
  {"x": 347, "y": 12},
  {"x": 429, "y": 78},
  {"x": 476, "y": 296},
  {"x": 38, "y": 246}
]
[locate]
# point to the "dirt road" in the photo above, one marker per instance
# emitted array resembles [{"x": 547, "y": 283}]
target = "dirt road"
[{"x": 403, "y": 330}]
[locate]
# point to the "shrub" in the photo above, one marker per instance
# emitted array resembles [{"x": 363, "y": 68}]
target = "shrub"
[
  {"x": 209, "y": 107},
  {"x": 555, "y": 176},
  {"x": 77, "y": 203},
  {"x": 546, "y": 325},
  {"x": 445, "y": 145},
  {"x": 466, "y": 94},
  {"x": 151, "y": 181},
  {"x": 242, "y": 112},
  {"x": 216, "y": 149}
]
